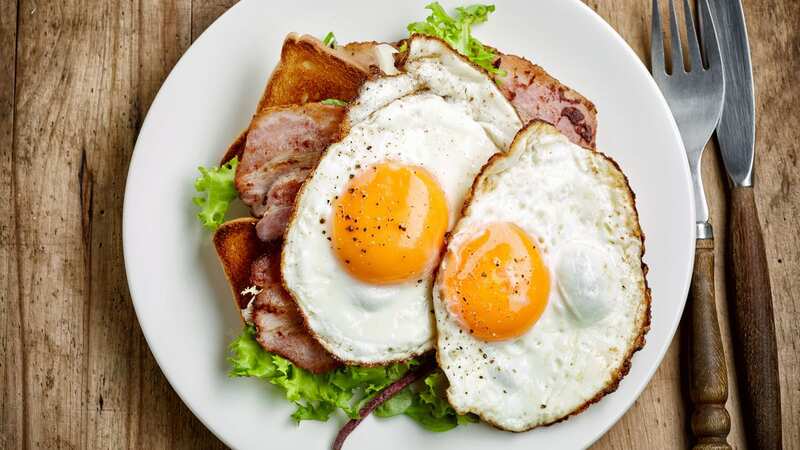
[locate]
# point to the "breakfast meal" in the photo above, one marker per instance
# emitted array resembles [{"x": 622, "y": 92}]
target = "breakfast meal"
[{"x": 433, "y": 234}]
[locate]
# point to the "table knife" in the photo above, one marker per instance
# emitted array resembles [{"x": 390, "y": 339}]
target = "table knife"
[{"x": 753, "y": 327}]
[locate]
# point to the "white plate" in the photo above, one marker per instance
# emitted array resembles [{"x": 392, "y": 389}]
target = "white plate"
[{"x": 178, "y": 288}]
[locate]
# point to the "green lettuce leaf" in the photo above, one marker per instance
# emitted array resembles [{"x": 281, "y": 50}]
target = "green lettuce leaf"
[
  {"x": 217, "y": 185},
  {"x": 315, "y": 396},
  {"x": 329, "y": 40},
  {"x": 318, "y": 396},
  {"x": 427, "y": 404},
  {"x": 396, "y": 405},
  {"x": 457, "y": 31},
  {"x": 333, "y": 102}
]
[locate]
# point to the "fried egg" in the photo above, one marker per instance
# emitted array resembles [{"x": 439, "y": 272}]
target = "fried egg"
[
  {"x": 541, "y": 298},
  {"x": 369, "y": 225}
]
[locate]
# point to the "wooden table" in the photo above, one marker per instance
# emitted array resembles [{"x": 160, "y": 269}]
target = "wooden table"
[{"x": 76, "y": 79}]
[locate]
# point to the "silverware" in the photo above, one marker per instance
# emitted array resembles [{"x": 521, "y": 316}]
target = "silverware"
[
  {"x": 755, "y": 349},
  {"x": 695, "y": 96}
]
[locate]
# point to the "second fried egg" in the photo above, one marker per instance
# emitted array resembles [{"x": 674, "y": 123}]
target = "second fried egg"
[{"x": 541, "y": 298}]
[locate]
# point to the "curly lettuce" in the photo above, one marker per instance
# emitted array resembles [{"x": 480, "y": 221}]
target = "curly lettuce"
[
  {"x": 217, "y": 185},
  {"x": 318, "y": 396},
  {"x": 427, "y": 404},
  {"x": 457, "y": 31}
]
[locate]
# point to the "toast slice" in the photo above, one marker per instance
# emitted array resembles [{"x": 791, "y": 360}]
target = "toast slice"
[
  {"x": 310, "y": 71},
  {"x": 237, "y": 247},
  {"x": 236, "y": 149}
]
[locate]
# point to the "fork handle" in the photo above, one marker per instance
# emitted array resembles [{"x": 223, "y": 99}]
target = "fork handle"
[
  {"x": 753, "y": 324},
  {"x": 708, "y": 374}
]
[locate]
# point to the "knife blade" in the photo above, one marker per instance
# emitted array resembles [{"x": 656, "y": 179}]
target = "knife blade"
[
  {"x": 753, "y": 323},
  {"x": 737, "y": 127}
]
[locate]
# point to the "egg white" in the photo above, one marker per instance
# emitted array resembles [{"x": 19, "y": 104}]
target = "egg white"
[
  {"x": 442, "y": 114},
  {"x": 578, "y": 209}
]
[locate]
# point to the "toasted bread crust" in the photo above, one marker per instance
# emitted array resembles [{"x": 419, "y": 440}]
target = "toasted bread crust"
[
  {"x": 237, "y": 247},
  {"x": 236, "y": 148},
  {"x": 643, "y": 321},
  {"x": 309, "y": 71}
]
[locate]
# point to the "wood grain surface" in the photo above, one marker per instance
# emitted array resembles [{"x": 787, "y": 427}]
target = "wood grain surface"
[
  {"x": 76, "y": 79},
  {"x": 708, "y": 377},
  {"x": 752, "y": 323}
]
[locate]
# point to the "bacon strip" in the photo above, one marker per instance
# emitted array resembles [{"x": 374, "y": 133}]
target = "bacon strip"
[
  {"x": 537, "y": 95},
  {"x": 278, "y": 321},
  {"x": 370, "y": 56},
  {"x": 283, "y": 145}
]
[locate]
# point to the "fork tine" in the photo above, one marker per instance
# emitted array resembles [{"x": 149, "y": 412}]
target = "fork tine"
[
  {"x": 694, "y": 48},
  {"x": 708, "y": 34},
  {"x": 677, "y": 52},
  {"x": 656, "y": 42}
]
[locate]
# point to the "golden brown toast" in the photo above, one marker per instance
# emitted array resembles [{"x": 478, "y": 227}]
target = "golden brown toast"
[
  {"x": 237, "y": 247},
  {"x": 310, "y": 71}
]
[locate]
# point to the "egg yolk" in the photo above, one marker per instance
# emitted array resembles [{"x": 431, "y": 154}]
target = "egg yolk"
[
  {"x": 496, "y": 284},
  {"x": 389, "y": 223}
]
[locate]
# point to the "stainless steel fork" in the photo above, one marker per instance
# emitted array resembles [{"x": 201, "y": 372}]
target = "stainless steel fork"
[{"x": 695, "y": 95}]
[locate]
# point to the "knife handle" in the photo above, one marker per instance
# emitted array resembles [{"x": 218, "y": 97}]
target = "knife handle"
[
  {"x": 708, "y": 374},
  {"x": 753, "y": 325}
]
